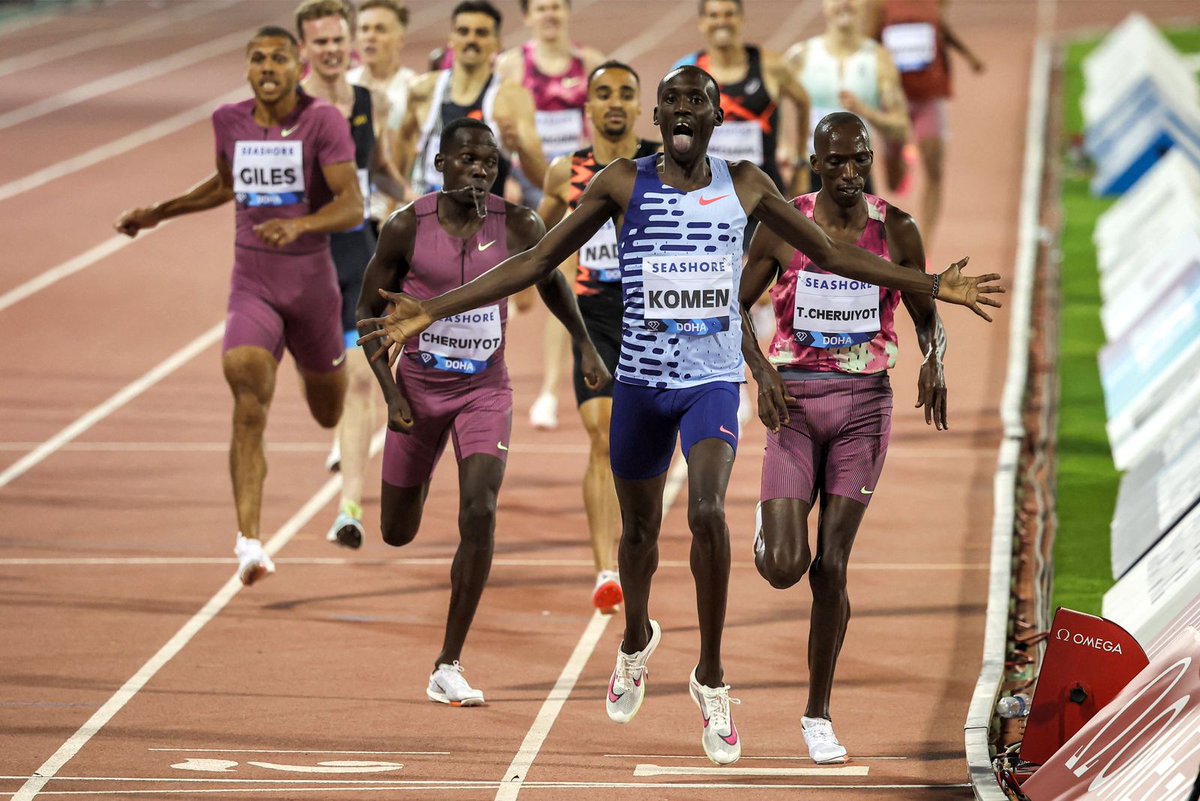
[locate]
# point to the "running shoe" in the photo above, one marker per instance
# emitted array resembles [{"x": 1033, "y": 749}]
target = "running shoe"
[
  {"x": 253, "y": 562},
  {"x": 823, "y": 745},
  {"x": 543, "y": 414},
  {"x": 333, "y": 462},
  {"x": 719, "y": 736},
  {"x": 627, "y": 687},
  {"x": 447, "y": 686},
  {"x": 607, "y": 595},
  {"x": 347, "y": 529}
]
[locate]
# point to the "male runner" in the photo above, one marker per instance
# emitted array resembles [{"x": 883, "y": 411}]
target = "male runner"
[
  {"x": 680, "y": 218},
  {"x": 453, "y": 380},
  {"x": 555, "y": 71},
  {"x": 825, "y": 395},
  {"x": 613, "y": 106},
  {"x": 324, "y": 30},
  {"x": 469, "y": 88},
  {"x": 843, "y": 70},
  {"x": 919, "y": 39},
  {"x": 287, "y": 160}
]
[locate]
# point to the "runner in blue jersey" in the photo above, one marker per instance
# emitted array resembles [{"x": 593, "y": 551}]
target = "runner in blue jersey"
[{"x": 680, "y": 217}]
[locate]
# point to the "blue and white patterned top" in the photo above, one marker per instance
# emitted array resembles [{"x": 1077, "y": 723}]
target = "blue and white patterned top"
[{"x": 681, "y": 264}]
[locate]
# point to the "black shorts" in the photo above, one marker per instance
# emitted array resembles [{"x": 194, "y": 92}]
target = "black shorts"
[
  {"x": 602, "y": 317},
  {"x": 351, "y": 251}
]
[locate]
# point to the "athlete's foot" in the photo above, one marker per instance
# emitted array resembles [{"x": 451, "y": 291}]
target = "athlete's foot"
[
  {"x": 607, "y": 595},
  {"x": 627, "y": 687},
  {"x": 447, "y": 686},
  {"x": 543, "y": 414},
  {"x": 347, "y": 529},
  {"x": 719, "y": 736},
  {"x": 333, "y": 462},
  {"x": 253, "y": 562},
  {"x": 823, "y": 745}
]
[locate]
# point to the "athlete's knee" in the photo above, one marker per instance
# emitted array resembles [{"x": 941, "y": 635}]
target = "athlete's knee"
[
  {"x": 784, "y": 567},
  {"x": 599, "y": 443},
  {"x": 706, "y": 518},
  {"x": 477, "y": 519},
  {"x": 249, "y": 410},
  {"x": 326, "y": 398},
  {"x": 828, "y": 576},
  {"x": 399, "y": 530}
]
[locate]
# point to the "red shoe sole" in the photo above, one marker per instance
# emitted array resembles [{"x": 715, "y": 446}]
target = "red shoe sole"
[{"x": 607, "y": 597}]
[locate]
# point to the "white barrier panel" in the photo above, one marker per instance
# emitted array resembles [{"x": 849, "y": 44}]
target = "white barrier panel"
[
  {"x": 1174, "y": 180},
  {"x": 1147, "y": 132},
  {"x": 1162, "y": 585},
  {"x": 1156, "y": 362},
  {"x": 1130, "y": 299},
  {"x": 1133, "y": 49},
  {"x": 1157, "y": 492}
]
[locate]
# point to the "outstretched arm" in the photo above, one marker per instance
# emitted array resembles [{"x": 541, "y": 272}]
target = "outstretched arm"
[
  {"x": 213, "y": 191},
  {"x": 762, "y": 199},
  {"x": 763, "y": 264}
]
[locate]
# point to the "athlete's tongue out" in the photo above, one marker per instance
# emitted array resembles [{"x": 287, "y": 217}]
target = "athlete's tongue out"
[{"x": 682, "y": 136}]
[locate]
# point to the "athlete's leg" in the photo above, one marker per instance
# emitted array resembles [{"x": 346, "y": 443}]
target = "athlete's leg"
[
  {"x": 479, "y": 479},
  {"x": 250, "y": 372},
  {"x": 357, "y": 425},
  {"x": 785, "y": 554},
  {"x": 932, "y": 156},
  {"x": 599, "y": 493},
  {"x": 556, "y": 350},
  {"x": 640, "y": 503},
  {"x": 325, "y": 393},
  {"x": 400, "y": 512},
  {"x": 710, "y": 461}
]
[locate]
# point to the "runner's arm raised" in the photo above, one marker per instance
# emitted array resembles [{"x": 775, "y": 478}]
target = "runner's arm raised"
[
  {"x": 515, "y": 114},
  {"x": 213, "y": 191},
  {"x": 763, "y": 264},
  {"x": 419, "y": 97}
]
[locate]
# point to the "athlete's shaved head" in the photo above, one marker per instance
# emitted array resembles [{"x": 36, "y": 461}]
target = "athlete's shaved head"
[
  {"x": 467, "y": 123},
  {"x": 711, "y": 89},
  {"x": 839, "y": 122},
  {"x": 614, "y": 65},
  {"x": 274, "y": 32}
]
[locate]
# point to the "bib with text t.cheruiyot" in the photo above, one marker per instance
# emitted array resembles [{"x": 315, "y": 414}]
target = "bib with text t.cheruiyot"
[
  {"x": 268, "y": 173},
  {"x": 688, "y": 295},
  {"x": 462, "y": 343},
  {"x": 913, "y": 45},
  {"x": 834, "y": 312}
]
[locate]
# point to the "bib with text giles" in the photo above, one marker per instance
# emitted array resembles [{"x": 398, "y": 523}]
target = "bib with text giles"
[
  {"x": 913, "y": 45},
  {"x": 268, "y": 173},
  {"x": 834, "y": 312},
  {"x": 462, "y": 343},
  {"x": 688, "y": 295},
  {"x": 599, "y": 256}
]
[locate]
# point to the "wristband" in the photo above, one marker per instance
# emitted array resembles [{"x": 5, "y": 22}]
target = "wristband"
[{"x": 937, "y": 282}]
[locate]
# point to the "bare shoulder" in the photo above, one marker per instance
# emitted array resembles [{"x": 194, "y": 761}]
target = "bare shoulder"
[
  {"x": 400, "y": 224},
  {"x": 559, "y": 172},
  {"x": 899, "y": 220},
  {"x": 524, "y": 225},
  {"x": 793, "y": 57}
]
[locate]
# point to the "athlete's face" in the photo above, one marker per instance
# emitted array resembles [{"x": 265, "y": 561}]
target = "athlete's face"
[
  {"x": 843, "y": 15},
  {"x": 326, "y": 46},
  {"x": 548, "y": 19},
  {"x": 721, "y": 23},
  {"x": 474, "y": 39},
  {"x": 843, "y": 159},
  {"x": 272, "y": 68},
  {"x": 686, "y": 114},
  {"x": 470, "y": 161},
  {"x": 380, "y": 36},
  {"x": 613, "y": 102}
]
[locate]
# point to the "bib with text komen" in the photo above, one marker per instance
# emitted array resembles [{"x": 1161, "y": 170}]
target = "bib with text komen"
[
  {"x": 688, "y": 295},
  {"x": 268, "y": 173},
  {"x": 834, "y": 312},
  {"x": 463, "y": 343}
]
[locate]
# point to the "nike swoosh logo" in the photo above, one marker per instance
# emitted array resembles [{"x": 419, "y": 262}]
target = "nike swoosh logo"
[
  {"x": 725, "y": 430},
  {"x": 613, "y": 697},
  {"x": 567, "y": 83},
  {"x": 338, "y": 361},
  {"x": 286, "y": 132},
  {"x": 704, "y": 201},
  {"x": 501, "y": 446},
  {"x": 866, "y": 491},
  {"x": 732, "y": 738},
  {"x": 482, "y": 247}
]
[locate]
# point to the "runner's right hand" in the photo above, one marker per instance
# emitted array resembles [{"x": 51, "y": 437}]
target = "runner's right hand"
[
  {"x": 133, "y": 220},
  {"x": 399, "y": 415}
]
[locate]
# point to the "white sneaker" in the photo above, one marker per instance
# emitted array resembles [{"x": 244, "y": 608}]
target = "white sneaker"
[
  {"x": 627, "y": 687},
  {"x": 543, "y": 414},
  {"x": 607, "y": 595},
  {"x": 333, "y": 462},
  {"x": 253, "y": 562},
  {"x": 447, "y": 686},
  {"x": 719, "y": 736},
  {"x": 823, "y": 745}
]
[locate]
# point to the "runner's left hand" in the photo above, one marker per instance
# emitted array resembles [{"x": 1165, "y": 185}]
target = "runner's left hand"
[
  {"x": 969, "y": 290},
  {"x": 279, "y": 233},
  {"x": 407, "y": 320},
  {"x": 595, "y": 373},
  {"x": 773, "y": 398},
  {"x": 931, "y": 393}
]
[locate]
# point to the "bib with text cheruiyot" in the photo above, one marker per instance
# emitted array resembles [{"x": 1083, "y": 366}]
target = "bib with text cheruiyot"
[
  {"x": 268, "y": 173},
  {"x": 689, "y": 295},
  {"x": 560, "y": 131},
  {"x": 834, "y": 312},
  {"x": 599, "y": 256},
  {"x": 462, "y": 343},
  {"x": 913, "y": 45},
  {"x": 738, "y": 140}
]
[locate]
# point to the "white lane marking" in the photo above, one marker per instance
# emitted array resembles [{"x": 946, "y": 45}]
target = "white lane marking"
[
  {"x": 130, "y": 392},
  {"x": 789, "y": 758},
  {"x": 441, "y": 561},
  {"x": 106, "y": 38},
  {"x": 293, "y": 751},
  {"x": 663, "y": 770},
  {"x": 340, "y": 766},
  {"x": 190, "y": 629},
  {"x": 163, "y": 446},
  {"x": 123, "y": 79}
]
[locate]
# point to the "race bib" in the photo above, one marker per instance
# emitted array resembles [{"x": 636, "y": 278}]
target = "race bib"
[
  {"x": 462, "y": 343},
  {"x": 687, "y": 295},
  {"x": 912, "y": 45},
  {"x": 599, "y": 255},
  {"x": 834, "y": 312},
  {"x": 560, "y": 131},
  {"x": 737, "y": 141},
  {"x": 268, "y": 173}
]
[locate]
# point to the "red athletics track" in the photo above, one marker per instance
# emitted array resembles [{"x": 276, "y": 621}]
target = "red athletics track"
[{"x": 117, "y": 524}]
